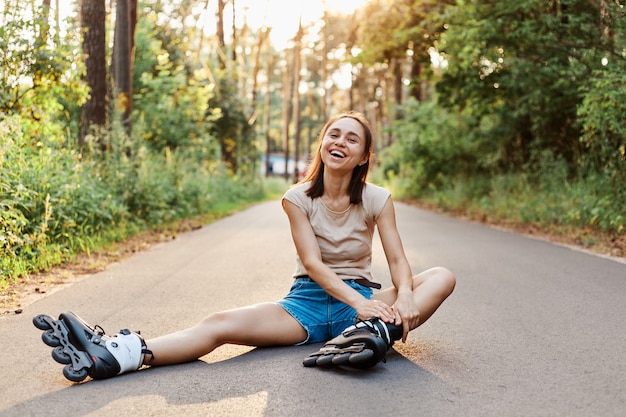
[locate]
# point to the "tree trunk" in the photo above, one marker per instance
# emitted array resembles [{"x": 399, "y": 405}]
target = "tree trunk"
[
  {"x": 398, "y": 86},
  {"x": 42, "y": 38},
  {"x": 57, "y": 23},
  {"x": 263, "y": 37},
  {"x": 296, "y": 100},
  {"x": 125, "y": 21},
  {"x": 94, "y": 111},
  {"x": 267, "y": 106},
  {"x": 416, "y": 86},
  {"x": 220, "y": 33},
  {"x": 233, "y": 51},
  {"x": 286, "y": 115},
  {"x": 44, "y": 24},
  {"x": 324, "y": 70}
]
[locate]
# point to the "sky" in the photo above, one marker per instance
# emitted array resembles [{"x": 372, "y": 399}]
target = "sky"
[{"x": 283, "y": 15}]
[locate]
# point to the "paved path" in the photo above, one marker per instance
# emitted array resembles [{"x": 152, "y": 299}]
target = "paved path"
[{"x": 533, "y": 329}]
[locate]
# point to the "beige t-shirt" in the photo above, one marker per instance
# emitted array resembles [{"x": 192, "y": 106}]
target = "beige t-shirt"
[{"x": 344, "y": 239}]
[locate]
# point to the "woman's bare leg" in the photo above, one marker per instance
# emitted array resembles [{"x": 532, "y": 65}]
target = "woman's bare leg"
[
  {"x": 263, "y": 324},
  {"x": 430, "y": 289}
]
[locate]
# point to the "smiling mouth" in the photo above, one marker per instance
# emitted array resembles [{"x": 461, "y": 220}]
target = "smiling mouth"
[{"x": 337, "y": 154}]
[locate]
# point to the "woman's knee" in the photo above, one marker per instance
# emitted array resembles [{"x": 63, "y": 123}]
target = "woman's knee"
[
  {"x": 443, "y": 277},
  {"x": 447, "y": 279},
  {"x": 215, "y": 325}
]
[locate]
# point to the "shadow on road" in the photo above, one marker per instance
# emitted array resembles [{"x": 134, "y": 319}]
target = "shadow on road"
[{"x": 263, "y": 381}]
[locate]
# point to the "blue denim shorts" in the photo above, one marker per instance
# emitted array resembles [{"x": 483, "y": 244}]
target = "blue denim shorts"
[{"x": 322, "y": 316}]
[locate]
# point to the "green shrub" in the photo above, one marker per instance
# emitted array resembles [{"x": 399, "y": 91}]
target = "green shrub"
[
  {"x": 56, "y": 202},
  {"x": 444, "y": 160}
]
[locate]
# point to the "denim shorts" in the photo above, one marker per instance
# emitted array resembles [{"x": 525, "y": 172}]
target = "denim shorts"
[{"x": 322, "y": 316}]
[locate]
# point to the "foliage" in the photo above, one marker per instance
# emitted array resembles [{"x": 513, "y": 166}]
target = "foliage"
[
  {"x": 38, "y": 75},
  {"x": 170, "y": 100},
  {"x": 181, "y": 104},
  {"x": 429, "y": 153},
  {"x": 57, "y": 202},
  {"x": 412, "y": 24},
  {"x": 601, "y": 115},
  {"x": 538, "y": 134},
  {"x": 523, "y": 62},
  {"x": 435, "y": 160},
  {"x": 235, "y": 134}
]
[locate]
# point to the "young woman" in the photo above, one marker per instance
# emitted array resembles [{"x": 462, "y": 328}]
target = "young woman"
[{"x": 332, "y": 215}]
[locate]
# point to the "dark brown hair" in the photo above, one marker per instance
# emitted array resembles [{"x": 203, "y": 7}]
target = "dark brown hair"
[{"x": 315, "y": 171}]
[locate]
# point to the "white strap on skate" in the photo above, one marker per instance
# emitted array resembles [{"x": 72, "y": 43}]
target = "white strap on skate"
[{"x": 126, "y": 349}]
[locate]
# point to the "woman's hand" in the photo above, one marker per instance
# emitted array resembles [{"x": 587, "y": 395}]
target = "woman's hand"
[
  {"x": 406, "y": 313},
  {"x": 368, "y": 309}
]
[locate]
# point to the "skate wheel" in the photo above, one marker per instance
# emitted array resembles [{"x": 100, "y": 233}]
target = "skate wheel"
[
  {"x": 361, "y": 357},
  {"x": 309, "y": 361},
  {"x": 363, "y": 360},
  {"x": 341, "y": 358},
  {"x": 73, "y": 375},
  {"x": 59, "y": 355},
  {"x": 324, "y": 360},
  {"x": 50, "y": 339},
  {"x": 40, "y": 322}
]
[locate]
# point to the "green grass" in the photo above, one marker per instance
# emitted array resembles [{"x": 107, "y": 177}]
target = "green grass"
[{"x": 587, "y": 212}]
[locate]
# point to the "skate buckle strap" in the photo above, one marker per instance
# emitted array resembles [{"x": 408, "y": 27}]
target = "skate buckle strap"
[
  {"x": 99, "y": 331},
  {"x": 355, "y": 348},
  {"x": 361, "y": 325},
  {"x": 375, "y": 326}
]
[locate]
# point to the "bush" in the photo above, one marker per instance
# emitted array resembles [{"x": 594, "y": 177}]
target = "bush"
[
  {"x": 57, "y": 202},
  {"x": 431, "y": 150},
  {"x": 446, "y": 161}
]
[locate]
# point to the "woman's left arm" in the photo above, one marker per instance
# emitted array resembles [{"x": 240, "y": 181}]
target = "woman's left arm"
[{"x": 404, "y": 307}]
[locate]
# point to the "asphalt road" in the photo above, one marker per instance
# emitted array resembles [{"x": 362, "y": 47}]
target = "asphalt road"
[{"x": 532, "y": 329}]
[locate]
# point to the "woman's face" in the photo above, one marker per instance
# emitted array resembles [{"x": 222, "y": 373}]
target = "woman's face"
[{"x": 343, "y": 145}]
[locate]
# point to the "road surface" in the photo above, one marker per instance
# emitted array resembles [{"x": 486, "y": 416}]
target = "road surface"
[{"x": 532, "y": 329}]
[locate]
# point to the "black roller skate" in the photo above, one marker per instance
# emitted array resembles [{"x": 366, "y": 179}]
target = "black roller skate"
[
  {"x": 87, "y": 351},
  {"x": 361, "y": 345}
]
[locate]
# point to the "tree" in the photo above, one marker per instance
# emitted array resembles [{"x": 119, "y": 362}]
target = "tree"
[
  {"x": 92, "y": 22},
  {"x": 520, "y": 65},
  {"x": 297, "y": 118},
  {"x": 34, "y": 58},
  {"x": 267, "y": 104},
  {"x": 287, "y": 104},
  {"x": 381, "y": 47},
  {"x": 123, "y": 49},
  {"x": 44, "y": 23},
  {"x": 221, "y": 40},
  {"x": 601, "y": 113},
  {"x": 231, "y": 127}
]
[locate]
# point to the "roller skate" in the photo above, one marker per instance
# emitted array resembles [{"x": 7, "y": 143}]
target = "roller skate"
[
  {"x": 87, "y": 351},
  {"x": 361, "y": 345}
]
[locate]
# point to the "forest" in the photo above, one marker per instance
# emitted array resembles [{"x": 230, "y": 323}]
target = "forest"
[{"x": 122, "y": 116}]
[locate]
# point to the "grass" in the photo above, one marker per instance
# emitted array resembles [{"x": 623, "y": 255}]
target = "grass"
[{"x": 573, "y": 213}]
